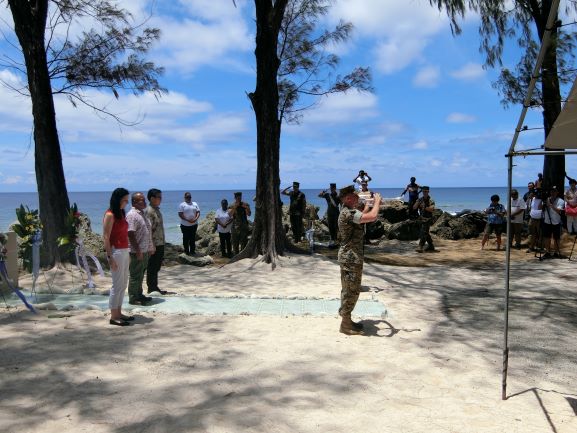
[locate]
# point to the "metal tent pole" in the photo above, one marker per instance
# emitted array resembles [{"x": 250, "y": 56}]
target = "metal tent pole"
[
  {"x": 526, "y": 104},
  {"x": 507, "y": 279}
]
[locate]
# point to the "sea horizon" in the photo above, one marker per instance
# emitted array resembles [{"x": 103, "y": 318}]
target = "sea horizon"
[{"x": 94, "y": 203}]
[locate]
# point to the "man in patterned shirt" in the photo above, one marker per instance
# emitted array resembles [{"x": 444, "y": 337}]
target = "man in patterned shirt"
[
  {"x": 157, "y": 227},
  {"x": 351, "y": 253},
  {"x": 141, "y": 245}
]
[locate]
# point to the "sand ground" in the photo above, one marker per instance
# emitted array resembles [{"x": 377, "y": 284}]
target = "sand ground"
[{"x": 434, "y": 364}]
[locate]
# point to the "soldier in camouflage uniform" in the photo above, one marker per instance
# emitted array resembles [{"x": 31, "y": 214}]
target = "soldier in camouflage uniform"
[
  {"x": 425, "y": 206},
  {"x": 239, "y": 211},
  {"x": 351, "y": 232},
  {"x": 297, "y": 209}
]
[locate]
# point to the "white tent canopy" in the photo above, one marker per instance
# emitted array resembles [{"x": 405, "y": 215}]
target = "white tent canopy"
[{"x": 563, "y": 134}]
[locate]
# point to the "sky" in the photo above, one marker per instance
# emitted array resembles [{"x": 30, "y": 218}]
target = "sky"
[{"x": 433, "y": 113}]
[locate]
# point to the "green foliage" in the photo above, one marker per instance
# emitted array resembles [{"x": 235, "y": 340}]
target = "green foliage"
[
  {"x": 71, "y": 229},
  {"x": 27, "y": 228},
  {"x": 306, "y": 67}
]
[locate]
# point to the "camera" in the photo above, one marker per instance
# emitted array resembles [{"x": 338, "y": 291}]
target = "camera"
[{"x": 491, "y": 210}]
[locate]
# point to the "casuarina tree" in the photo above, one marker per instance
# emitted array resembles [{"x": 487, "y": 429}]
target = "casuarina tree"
[
  {"x": 523, "y": 22},
  {"x": 55, "y": 63},
  {"x": 293, "y": 68}
]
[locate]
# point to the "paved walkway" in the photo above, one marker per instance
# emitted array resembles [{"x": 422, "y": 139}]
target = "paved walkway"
[{"x": 205, "y": 305}]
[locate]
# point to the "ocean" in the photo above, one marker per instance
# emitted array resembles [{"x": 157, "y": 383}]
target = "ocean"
[{"x": 95, "y": 203}]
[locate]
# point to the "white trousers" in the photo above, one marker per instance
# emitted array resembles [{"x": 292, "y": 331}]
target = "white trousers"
[{"x": 119, "y": 277}]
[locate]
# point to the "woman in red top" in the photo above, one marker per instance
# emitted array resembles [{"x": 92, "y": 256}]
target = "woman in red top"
[{"x": 115, "y": 233}]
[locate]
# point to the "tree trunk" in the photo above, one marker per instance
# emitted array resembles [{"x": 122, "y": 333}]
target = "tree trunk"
[
  {"x": 553, "y": 165},
  {"x": 268, "y": 238},
  {"x": 29, "y": 24}
]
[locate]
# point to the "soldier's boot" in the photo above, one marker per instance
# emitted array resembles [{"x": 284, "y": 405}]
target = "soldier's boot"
[{"x": 349, "y": 327}]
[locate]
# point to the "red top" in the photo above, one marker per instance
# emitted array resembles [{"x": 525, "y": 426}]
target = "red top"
[{"x": 119, "y": 232}]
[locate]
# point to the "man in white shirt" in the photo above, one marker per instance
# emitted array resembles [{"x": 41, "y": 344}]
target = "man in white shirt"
[
  {"x": 552, "y": 222},
  {"x": 223, "y": 222},
  {"x": 517, "y": 213},
  {"x": 189, "y": 213}
]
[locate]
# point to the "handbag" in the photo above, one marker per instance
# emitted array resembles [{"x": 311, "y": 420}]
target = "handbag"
[{"x": 570, "y": 210}]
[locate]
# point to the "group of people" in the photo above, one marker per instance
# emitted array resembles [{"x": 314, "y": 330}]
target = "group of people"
[
  {"x": 134, "y": 245},
  {"x": 543, "y": 209},
  {"x": 231, "y": 223}
]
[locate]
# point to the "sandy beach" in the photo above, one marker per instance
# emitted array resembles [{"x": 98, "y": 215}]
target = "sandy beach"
[{"x": 432, "y": 364}]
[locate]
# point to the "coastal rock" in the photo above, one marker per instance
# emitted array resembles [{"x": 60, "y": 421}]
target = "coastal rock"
[
  {"x": 195, "y": 260},
  {"x": 407, "y": 230},
  {"x": 394, "y": 211},
  {"x": 466, "y": 226}
]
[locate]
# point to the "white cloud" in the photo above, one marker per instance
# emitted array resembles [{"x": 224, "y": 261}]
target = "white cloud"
[
  {"x": 470, "y": 71},
  {"x": 460, "y": 118},
  {"x": 342, "y": 107},
  {"x": 427, "y": 77},
  {"x": 210, "y": 33},
  {"x": 401, "y": 29},
  {"x": 420, "y": 145}
]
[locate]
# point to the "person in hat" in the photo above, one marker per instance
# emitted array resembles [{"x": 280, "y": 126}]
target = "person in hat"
[
  {"x": 297, "y": 209},
  {"x": 239, "y": 212},
  {"x": 351, "y": 253},
  {"x": 552, "y": 222},
  {"x": 425, "y": 206},
  {"x": 333, "y": 211},
  {"x": 413, "y": 189}
]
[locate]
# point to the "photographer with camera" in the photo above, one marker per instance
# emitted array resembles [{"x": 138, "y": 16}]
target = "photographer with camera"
[
  {"x": 552, "y": 208},
  {"x": 495, "y": 218},
  {"x": 363, "y": 176}
]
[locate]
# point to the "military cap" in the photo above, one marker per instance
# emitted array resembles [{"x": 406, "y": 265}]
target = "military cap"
[
  {"x": 346, "y": 190},
  {"x": 296, "y": 184},
  {"x": 238, "y": 194},
  {"x": 425, "y": 188}
]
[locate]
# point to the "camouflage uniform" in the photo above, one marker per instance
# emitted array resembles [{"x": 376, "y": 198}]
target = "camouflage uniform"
[
  {"x": 426, "y": 221},
  {"x": 350, "y": 258},
  {"x": 239, "y": 227},
  {"x": 297, "y": 210}
]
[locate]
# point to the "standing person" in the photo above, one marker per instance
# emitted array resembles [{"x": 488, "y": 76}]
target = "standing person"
[
  {"x": 517, "y": 218},
  {"x": 571, "y": 206},
  {"x": 154, "y": 215},
  {"x": 363, "y": 176},
  {"x": 535, "y": 205},
  {"x": 223, "y": 220},
  {"x": 239, "y": 212},
  {"x": 526, "y": 199},
  {"x": 189, "y": 213},
  {"x": 297, "y": 209},
  {"x": 333, "y": 211},
  {"x": 141, "y": 246},
  {"x": 413, "y": 189},
  {"x": 495, "y": 217},
  {"x": 115, "y": 234},
  {"x": 552, "y": 222},
  {"x": 351, "y": 254},
  {"x": 425, "y": 206}
]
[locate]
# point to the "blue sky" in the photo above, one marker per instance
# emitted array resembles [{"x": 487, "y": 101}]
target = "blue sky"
[{"x": 433, "y": 115}]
